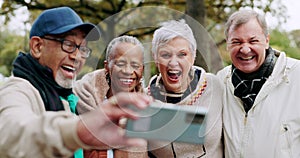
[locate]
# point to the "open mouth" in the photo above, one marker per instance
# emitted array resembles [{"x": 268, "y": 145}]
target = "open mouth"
[
  {"x": 69, "y": 71},
  {"x": 68, "y": 68},
  {"x": 127, "y": 81},
  {"x": 174, "y": 74},
  {"x": 246, "y": 58}
]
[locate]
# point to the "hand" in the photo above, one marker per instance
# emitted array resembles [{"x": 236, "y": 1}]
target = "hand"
[{"x": 99, "y": 128}]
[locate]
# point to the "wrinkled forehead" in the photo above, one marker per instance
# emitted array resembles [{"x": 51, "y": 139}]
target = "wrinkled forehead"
[{"x": 126, "y": 50}]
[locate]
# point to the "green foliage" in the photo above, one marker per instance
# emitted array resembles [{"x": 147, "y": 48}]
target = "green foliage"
[
  {"x": 295, "y": 36},
  {"x": 95, "y": 11},
  {"x": 10, "y": 44},
  {"x": 98, "y": 10},
  {"x": 282, "y": 41}
]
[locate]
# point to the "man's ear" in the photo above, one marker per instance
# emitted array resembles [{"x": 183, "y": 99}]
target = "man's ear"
[
  {"x": 36, "y": 44},
  {"x": 268, "y": 40}
]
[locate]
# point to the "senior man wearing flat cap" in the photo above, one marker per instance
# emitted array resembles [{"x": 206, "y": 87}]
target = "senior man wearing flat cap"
[{"x": 36, "y": 102}]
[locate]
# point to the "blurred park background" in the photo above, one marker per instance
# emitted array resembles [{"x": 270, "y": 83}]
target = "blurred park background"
[{"x": 140, "y": 18}]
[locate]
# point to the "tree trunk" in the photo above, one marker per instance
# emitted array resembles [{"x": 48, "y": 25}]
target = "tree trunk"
[
  {"x": 208, "y": 56},
  {"x": 197, "y": 10}
]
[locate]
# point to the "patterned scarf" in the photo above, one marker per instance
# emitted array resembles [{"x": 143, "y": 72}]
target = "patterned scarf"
[
  {"x": 26, "y": 67},
  {"x": 247, "y": 85}
]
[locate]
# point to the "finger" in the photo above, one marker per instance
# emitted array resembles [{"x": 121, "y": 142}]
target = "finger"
[
  {"x": 116, "y": 113},
  {"x": 113, "y": 100},
  {"x": 137, "y": 99},
  {"x": 137, "y": 142}
]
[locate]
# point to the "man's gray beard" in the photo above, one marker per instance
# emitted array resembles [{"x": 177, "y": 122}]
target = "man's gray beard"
[{"x": 64, "y": 82}]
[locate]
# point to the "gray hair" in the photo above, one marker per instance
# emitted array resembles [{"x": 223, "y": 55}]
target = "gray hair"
[
  {"x": 170, "y": 30},
  {"x": 243, "y": 16},
  {"x": 122, "y": 39}
]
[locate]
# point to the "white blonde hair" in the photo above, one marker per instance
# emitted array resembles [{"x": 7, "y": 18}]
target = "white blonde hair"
[{"x": 170, "y": 30}]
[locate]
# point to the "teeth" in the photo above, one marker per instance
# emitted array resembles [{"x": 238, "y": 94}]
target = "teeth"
[
  {"x": 174, "y": 71},
  {"x": 69, "y": 68},
  {"x": 248, "y": 58},
  {"x": 126, "y": 80}
]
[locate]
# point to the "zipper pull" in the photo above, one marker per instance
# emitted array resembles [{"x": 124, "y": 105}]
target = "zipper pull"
[{"x": 245, "y": 118}]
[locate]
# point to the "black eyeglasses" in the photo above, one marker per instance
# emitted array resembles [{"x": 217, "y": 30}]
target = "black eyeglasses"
[{"x": 70, "y": 47}]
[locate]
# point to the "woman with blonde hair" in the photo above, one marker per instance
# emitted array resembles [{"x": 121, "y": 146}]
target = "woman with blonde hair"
[{"x": 180, "y": 82}]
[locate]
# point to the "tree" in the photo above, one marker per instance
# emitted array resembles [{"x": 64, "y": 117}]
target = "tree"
[
  {"x": 295, "y": 36},
  {"x": 210, "y": 14},
  {"x": 9, "y": 45},
  {"x": 284, "y": 41}
]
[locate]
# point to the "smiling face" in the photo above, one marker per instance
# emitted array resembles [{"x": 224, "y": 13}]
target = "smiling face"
[
  {"x": 65, "y": 66},
  {"x": 125, "y": 67},
  {"x": 247, "y": 44},
  {"x": 174, "y": 61}
]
